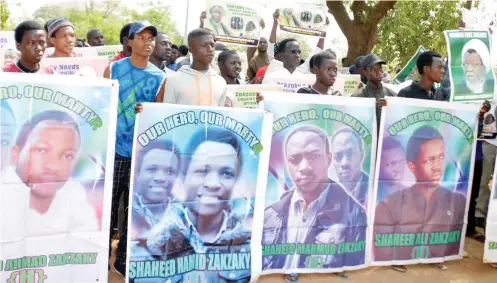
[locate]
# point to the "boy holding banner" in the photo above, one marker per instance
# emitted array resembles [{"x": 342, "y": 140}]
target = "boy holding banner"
[
  {"x": 325, "y": 67},
  {"x": 139, "y": 81}
]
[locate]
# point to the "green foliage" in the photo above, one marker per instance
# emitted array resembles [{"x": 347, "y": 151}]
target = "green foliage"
[
  {"x": 4, "y": 15},
  {"x": 109, "y": 17},
  {"x": 414, "y": 23}
]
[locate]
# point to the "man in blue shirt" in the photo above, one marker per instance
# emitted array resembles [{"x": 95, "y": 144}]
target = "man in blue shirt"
[{"x": 139, "y": 81}]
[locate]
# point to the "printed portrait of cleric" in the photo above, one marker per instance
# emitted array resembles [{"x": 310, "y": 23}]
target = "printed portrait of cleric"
[
  {"x": 477, "y": 69},
  {"x": 425, "y": 207},
  {"x": 348, "y": 153},
  {"x": 207, "y": 223},
  {"x": 44, "y": 156},
  {"x": 316, "y": 210}
]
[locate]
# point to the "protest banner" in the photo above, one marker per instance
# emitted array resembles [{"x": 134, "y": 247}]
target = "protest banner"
[
  {"x": 57, "y": 159},
  {"x": 490, "y": 253},
  {"x": 234, "y": 22},
  {"x": 194, "y": 166},
  {"x": 79, "y": 66},
  {"x": 489, "y": 130},
  {"x": 318, "y": 190},
  {"x": 471, "y": 75},
  {"x": 109, "y": 51},
  {"x": 290, "y": 83},
  {"x": 7, "y": 40},
  {"x": 410, "y": 70},
  {"x": 350, "y": 84},
  {"x": 423, "y": 180},
  {"x": 245, "y": 96},
  {"x": 304, "y": 17}
]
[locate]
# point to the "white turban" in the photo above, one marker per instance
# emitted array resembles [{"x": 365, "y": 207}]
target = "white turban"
[{"x": 481, "y": 49}]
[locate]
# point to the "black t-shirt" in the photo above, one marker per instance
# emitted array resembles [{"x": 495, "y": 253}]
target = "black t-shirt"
[{"x": 310, "y": 90}]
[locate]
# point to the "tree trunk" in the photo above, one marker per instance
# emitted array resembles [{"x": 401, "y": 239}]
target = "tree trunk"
[
  {"x": 361, "y": 31},
  {"x": 468, "y": 4}
]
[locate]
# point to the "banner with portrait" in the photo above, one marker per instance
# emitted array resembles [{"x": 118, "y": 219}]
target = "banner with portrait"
[
  {"x": 304, "y": 17},
  {"x": 57, "y": 159},
  {"x": 471, "y": 74},
  {"x": 319, "y": 182},
  {"x": 290, "y": 83},
  {"x": 197, "y": 192},
  {"x": 489, "y": 130},
  {"x": 78, "y": 66},
  {"x": 490, "y": 254},
  {"x": 423, "y": 180},
  {"x": 245, "y": 96},
  {"x": 109, "y": 51},
  {"x": 234, "y": 22},
  {"x": 410, "y": 71}
]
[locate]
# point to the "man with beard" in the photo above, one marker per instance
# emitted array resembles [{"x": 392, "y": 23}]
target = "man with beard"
[
  {"x": 316, "y": 211},
  {"x": 477, "y": 70},
  {"x": 95, "y": 37},
  {"x": 162, "y": 52},
  {"x": 348, "y": 153},
  {"x": 30, "y": 41},
  {"x": 324, "y": 65},
  {"x": 230, "y": 67},
  {"x": 63, "y": 37},
  {"x": 392, "y": 166},
  {"x": 425, "y": 207},
  {"x": 215, "y": 22}
]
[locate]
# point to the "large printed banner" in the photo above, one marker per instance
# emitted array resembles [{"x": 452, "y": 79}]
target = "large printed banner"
[
  {"x": 198, "y": 179},
  {"x": 423, "y": 181},
  {"x": 233, "y": 21},
  {"x": 109, "y": 51},
  {"x": 319, "y": 183},
  {"x": 471, "y": 75},
  {"x": 490, "y": 254},
  {"x": 410, "y": 71},
  {"x": 290, "y": 83},
  {"x": 57, "y": 159},
  {"x": 80, "y": 66},
  {"x": 304, "y": 17}
]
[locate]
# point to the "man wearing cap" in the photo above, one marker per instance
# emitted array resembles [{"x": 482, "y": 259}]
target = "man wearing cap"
[
  {"x": 62, "y": 36},
  {"x": 139, "y": 81},
  {"x": 373, "y": 66}
]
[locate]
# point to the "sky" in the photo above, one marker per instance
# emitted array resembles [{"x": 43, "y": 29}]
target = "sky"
[{"x": 335, "y": 39}]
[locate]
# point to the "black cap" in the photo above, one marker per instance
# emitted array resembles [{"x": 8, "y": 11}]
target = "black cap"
[{"x": 371, "y": 60}]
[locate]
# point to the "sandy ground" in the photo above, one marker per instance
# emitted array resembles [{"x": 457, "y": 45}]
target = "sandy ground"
[{"x": 467, "y": 270}]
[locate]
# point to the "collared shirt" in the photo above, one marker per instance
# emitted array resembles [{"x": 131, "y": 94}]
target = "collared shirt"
[
  {"x": 195, "y": 239},
  {"x": 300, "y": 217},
  {"x": 416, "y": 91}
]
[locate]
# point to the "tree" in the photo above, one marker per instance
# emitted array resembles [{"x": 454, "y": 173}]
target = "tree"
[
  {"x": 361, "y": 31},
  {"x": 4, "y": 15},
  {"x": 399, "y": 38}
]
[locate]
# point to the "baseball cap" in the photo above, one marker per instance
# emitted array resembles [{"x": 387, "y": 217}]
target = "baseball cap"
[
  {"x": 141, "y": 26},
  {"x": 371, "y": 60}
]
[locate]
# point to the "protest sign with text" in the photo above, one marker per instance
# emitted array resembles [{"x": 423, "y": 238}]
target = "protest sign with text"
[
  {"x": 79, "y": 66},
  {"x": 304, "y": 17}
]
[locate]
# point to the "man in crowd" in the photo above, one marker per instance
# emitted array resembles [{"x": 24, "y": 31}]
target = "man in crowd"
[
  {"x": 230, "y": 66},
  {"x": 392, "y": 166},
  {"x": 431, "y": 69},
  {"x": 162, "y": 52},
  {"x": 316, "y": 202},
  {"x": 30, "y": 41},
  {"x": 359, "y": 68},
  {"x": 372, "y": 64},
  {"x": 348, "y": 153},
  {"x": 258, "y": 61},
  {"x": 139, "y": 81},
  {"x": 123, "y": 39},
  {"x": 183, "y": 52},
  {"x": 95, "y": 37},
  {"x": 172, "y": 64},
  {"x": 324, "y": 65},
  {"x": 442, "y": 209},
  {"x": 63, "y": 37}
]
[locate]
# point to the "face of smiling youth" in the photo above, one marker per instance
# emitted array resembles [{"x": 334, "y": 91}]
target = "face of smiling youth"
[{"x": 210, "y": 178}]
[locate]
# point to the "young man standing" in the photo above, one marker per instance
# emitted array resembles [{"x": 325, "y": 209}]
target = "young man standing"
[
  {"x": 95, "y": 37},
  {"x": 325, "y": 67},
  {"x": 259, "y": 61},
  {"x": 30, "y": 41},
  {"x": 172, "y": 64},
  {"x": 123, "y": 38},
  {"x": 162, "y": 52},
  {"x": 230, "y": 66},
  {"x": 139, "y": 81},
  {"x": 63, "y": 37}
]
